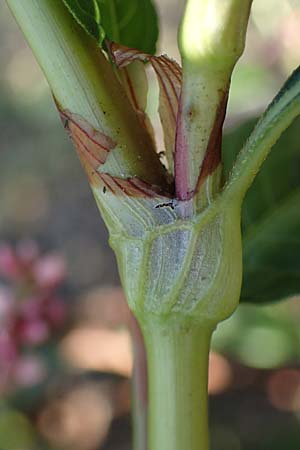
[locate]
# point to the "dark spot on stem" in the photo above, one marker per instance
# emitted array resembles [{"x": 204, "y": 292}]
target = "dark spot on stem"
[{"x": 164, "y": 205}]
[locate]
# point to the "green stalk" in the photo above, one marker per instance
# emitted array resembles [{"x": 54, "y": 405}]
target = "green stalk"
[
  {"x": 178, "y": 372},
  {"x": 181, "y": 274},
  {"x": 211, "y": 40},
  {"x": 83, "y": 82},
  {"x": 139, "y": 390}
]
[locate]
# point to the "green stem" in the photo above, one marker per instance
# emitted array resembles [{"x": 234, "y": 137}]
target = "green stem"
[
  {"x": 211, "y": 40},
  {"x": 83, "y": 82},
  {"x": 178, "y": 372},
  {"x": 139, "y": 387}
]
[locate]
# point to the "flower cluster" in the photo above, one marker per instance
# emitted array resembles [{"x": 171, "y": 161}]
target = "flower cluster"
[{"x": 30, "y": 311}]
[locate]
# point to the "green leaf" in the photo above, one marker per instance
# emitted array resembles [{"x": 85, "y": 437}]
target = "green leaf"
[
  {"x": 132, "y": 23},
  {"x": 270, "y": 218},
  {"x": 87, "y": 14},
  {"x": 278, "y": 117}
]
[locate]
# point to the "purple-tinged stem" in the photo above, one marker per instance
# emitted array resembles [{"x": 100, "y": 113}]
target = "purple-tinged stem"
[{"x": 139, "y": 387}]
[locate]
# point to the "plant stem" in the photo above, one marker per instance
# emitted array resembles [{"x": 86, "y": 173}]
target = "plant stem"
[
  {"x": 139, "y": 387},
  {"x": 211, "y": 40},
  {"x": 178, "y": 372},
  {"x": 84, "y": 83}
]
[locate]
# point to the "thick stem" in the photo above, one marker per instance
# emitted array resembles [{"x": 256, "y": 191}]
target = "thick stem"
[
  {"x": 178, "y": 372},
  {"x": 83, "y": 82}
]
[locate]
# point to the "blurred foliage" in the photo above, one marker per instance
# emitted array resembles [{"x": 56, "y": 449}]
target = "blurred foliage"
[
  {"x": 16, "y": 432},
  {"x": 263, "y": 337}
]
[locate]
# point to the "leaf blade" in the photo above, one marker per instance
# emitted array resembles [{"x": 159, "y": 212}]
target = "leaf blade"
[
  {"x": 133, "y": 23},
  {"x": 270, "y": 218},
  {"x": 278, "y": 117},
  {"x": 87, "y": 15}
]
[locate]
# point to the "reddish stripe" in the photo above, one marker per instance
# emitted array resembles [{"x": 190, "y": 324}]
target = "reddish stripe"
[
  {"x": 162, "y": 84},
  {"x": 166, "y": 72},
  {"x": 134, "y": 191},
  {"x": 173, "y": 67},
  {"x": 107, "y": 179},
  {"x": 107, "y": 149},
  {"x": 131, "y": 90},
  {"x": 69, "y": 118},
  {"x": 150, "y": 190},
  {"x": 139, "y": 189},
  {"x": 119, "y": 184},
  {"x": 213, "y": 152},
  {"x": 127, "y": 57},
  {"x": 89, "y": 152}
]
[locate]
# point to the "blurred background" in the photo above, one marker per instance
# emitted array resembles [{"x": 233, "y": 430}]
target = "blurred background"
[{"x": 65, "y": 353}]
